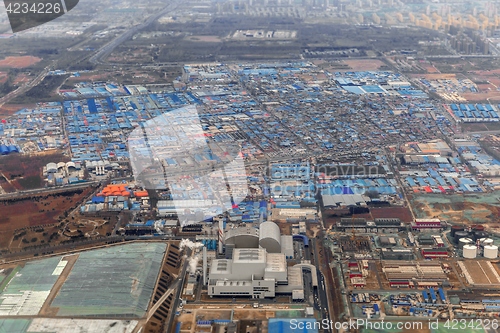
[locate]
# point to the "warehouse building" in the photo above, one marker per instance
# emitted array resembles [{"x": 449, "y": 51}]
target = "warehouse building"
[
  {"x": 385, "y": 225},
  {"x": 427, "y": 224}
]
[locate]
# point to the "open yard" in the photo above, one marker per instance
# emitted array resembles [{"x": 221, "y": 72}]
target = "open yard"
[
  {"x": 35, "y": 211},
  {"x": 19, "y": 62}
]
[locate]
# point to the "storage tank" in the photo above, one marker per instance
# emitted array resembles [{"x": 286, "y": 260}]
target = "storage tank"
[
  {"x": 491, "y": 251},
  {"x": 478, "y": 227},
  {"x": 469, "y": 251},
  {"x": 455, "y": 229},
  {"x": 479, "y": 234},
  {"x": 460, "y": 234},
  {"x": 486, "y": 241},
  {"x": 464, "y": 241}
]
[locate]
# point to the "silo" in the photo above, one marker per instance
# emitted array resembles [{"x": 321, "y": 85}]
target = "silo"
[
  {"x": 486, "y": 241},
  {"x": 464, "y": 241},
  {"x": 469, "y": 251},
  {"x": 454, "y": 229},
  {"x": 460, "y": 234},
  {"x": 491, "y": 251},
  {"x": 479, "y": 235}
]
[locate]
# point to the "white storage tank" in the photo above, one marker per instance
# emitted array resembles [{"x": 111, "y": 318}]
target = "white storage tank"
[
  {"x": 491, "y": 251},
  {"x": 464, "y": 241},
  {"x": 486, "y": 241},
  {"x": 469, "y": 251}
]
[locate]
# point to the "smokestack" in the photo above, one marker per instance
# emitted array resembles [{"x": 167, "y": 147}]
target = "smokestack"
[
  {"x": 221, "y": 235},
  {"x": 205, "y": 266}
]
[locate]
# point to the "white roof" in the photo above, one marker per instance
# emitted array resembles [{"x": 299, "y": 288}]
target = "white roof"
[
  {"x": 269, "y": 230},
  {"x": 249, "y": 255},
  {"x": 275, "y": 262}
]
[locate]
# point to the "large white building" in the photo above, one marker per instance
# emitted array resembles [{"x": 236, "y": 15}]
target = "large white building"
[
  {"x": 254, "y": 273},
  {"x": 267, "y": 236}
]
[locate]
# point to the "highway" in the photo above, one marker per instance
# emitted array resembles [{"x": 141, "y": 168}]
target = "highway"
[
  {"x": 47, "y": 191},
  {"x": 24, "y": 88},
  {"x": 105, "y": 50}
]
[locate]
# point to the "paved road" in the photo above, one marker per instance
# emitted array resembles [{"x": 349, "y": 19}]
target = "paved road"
[
  {"x": 57, "y": 189},
  {"x": 322, "y": 290},
  {"x": 182, "y": 276},
  {"x": 109, "y": 47},
  {"x": 24, "y": 88}
]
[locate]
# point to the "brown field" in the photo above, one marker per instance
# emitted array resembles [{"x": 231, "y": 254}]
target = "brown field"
[
  {"x": 430, "y": 69},
  {"x": 3, "y": 77},
  {"x": 365, "y": 64},
  {"x": 403, "y": 213},
  {"x": 21, "y": 78},
  {"x": 434, "y": 76},
  {"x": 31, "y": 212},
  {"x": 493, "y": 96},
  {"x": 10, "y": 109},
  {"x": 463, "y": 212},
  {"x": 206, "y": 39},
  {"x": 19, "y": 62},
  {"x": 24, "y": 172},
  {"x": 477, "y": 127}
]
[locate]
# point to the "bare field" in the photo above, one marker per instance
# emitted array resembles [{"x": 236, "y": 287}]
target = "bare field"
[
  {"x": 19, "y": 62},
  {"x": 32, "y": 212},
  {"x": 365, "y": 64},
  {"x": 403, "y": 213},
  {"x": 10, "y": 109},
  {"x": 459, "y": 209}
]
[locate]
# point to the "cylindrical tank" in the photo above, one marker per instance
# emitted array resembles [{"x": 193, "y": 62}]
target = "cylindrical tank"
[
  {"x": 486, "y": 241},
  {"x": 478, "y": 227},
  {"x": 480, "y": 234},
  {"x": 460, "y": 234},
  {"x": 469, "y": 251},
  {"x": 454, "y": 229},
  {"x": 491, "y": 251},
  {"x": 464, "y": 241}
]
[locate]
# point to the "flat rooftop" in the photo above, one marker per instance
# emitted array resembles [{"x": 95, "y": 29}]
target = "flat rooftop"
[{"x": 127, "y": 273}]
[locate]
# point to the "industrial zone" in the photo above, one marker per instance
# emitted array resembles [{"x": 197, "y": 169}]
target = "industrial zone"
[{"x": 311, "y": 234}]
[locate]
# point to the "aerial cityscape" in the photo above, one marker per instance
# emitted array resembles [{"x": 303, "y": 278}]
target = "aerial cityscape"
[{"x": 248, "y": 166}]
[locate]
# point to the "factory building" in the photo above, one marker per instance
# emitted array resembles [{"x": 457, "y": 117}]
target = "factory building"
[
  {"x": 294, "y": 215},
  {"x": 397, "y": 254},
  {"x": 384, "y": 225},
  {"x": 427, "y": 224},
  {"x": 253, "y": 273},
  {"x": 267, "y": 236}
]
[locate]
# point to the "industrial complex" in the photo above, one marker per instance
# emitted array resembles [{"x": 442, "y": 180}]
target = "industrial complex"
[{"x": 252, "y": 166}]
